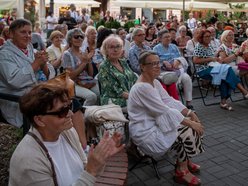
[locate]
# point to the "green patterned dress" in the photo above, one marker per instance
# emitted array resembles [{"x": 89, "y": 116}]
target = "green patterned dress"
[{"x": 113, "y": 82}]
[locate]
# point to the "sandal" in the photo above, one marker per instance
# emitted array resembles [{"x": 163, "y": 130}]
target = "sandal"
[
  {"x": 226, "y": 106},
  {"x": 193, "y": 168},
  {"x": 246, "y": 96},
  {"x": 180, "y": 178}
]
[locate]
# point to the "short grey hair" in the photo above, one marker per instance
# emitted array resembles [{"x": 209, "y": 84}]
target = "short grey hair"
[
  {"x": 162, "y": 32},
  {"x": 71, "y": 33},
  {"x": 182, "y": 27},
  {"x": 144, "y": 54},
  {"x": 136, "y": 30},
  {"x": 109, "y": 40}
]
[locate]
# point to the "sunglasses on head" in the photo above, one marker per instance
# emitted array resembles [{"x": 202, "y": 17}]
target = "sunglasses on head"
[
  {"x": 62, "y": 113},
  {"x": 78, "y": 36}
]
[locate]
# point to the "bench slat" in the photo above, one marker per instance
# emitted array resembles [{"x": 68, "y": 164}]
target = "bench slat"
[
  {"x": 110, "y": 181},
  {"x": 122, "y": 176},
  {"x": 116, "y": 169},
  {"x": 117, "y": 164}
]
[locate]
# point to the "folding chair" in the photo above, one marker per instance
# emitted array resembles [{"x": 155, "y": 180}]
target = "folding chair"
[
  {"x": 14, "y": 98},
  {"x": 143, "y": 158}
]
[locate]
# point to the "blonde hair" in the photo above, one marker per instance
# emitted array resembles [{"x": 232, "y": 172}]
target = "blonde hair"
[
  {"x": 109, "y": 40},
  {"x": 224, "y": 36}
]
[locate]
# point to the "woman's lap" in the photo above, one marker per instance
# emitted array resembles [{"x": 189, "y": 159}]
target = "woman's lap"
[{"x": 187, "y": 145}]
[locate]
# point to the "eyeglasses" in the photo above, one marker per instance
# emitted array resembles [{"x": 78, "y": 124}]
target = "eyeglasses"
[
  {"x": 62, "y": 113},
  {"x": 78, "y": 36},
  {"x": 112, "y": 47},
  {"x": 153, "y": 64},
  {"x": 166, "y": 37},
  {"x": 140, "y": 35},
  {"x": 207, "y": 36}
]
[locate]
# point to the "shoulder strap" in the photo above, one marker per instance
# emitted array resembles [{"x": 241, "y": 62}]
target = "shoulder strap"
[{"x": 48, "y": 156}]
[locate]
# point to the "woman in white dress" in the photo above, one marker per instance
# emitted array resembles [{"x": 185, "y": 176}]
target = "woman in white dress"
[{"x": 158, "y": 123}]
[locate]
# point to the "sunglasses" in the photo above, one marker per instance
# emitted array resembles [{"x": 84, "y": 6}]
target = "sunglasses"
[
  {"x": 78, "y": 36},
  {"x": 62, "y": 113}
]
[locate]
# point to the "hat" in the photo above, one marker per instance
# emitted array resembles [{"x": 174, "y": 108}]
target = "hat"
[{"x": 55, "y": 33}]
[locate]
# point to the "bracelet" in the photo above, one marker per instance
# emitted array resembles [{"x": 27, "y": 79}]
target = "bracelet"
[{"x": 189, "y": 112}]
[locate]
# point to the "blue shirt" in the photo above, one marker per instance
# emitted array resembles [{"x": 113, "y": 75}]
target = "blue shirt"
[
  {"x": 133, "y": 57},
  {"x": 167, "y": 54}
]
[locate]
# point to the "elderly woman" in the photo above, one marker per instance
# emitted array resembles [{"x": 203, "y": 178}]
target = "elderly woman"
[
  {"x": 5, "y": 33},
  {"x": 171, "y": 60},
  {"x": 160, "y": 124},
  {"x": 51, "y": 153},
  {"x": 190, "y": 47},
  {"x": 89, "y": 46},
  {"x": 229, "y": 51},
  {"x": 98, "y": 58},
  {"x": 20, "y": 68},
  {"x": 182, "y": 38},
  {"x": 56, "y": 49},
  {"x": 226, "y": 78},
  {"x": 63, "y": 28},
  {"x": 215, "y": 43},
  {"x": 115, "y": 76},
  {"x": 81, "y": 70},
  {"x": 121, "y": 32},
  {"x": 138, "y": 36}
]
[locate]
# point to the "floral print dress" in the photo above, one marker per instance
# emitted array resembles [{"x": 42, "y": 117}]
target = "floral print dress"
[{"x": 113, "y": 82}]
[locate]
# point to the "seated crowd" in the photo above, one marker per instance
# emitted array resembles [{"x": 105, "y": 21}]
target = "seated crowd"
[{"x": 108, "y": 66}]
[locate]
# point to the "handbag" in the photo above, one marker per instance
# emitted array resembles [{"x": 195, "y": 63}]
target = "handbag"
[
  {"x": 100, "y": 114},
  {"x": 64, "y": 80},
  {"x": 243, "y": 66},
  {"x": 112, "y": 127},
  {"x": 168, "y": 77}
]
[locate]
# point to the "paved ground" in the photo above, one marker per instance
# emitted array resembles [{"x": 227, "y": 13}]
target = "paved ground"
[{"x": 225, "y": 161}]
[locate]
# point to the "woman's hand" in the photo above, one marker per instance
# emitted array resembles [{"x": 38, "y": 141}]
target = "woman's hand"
[
  {"x": 194, "y": 117},
  {"x": 197, "y": 127},
  {"x": 84, "y": 58},
  {"x": 167, "y": 65},
  {"x": 89, "y": 85},
  {"x": 107, "y": 147},
  {"x": 125, "y": 95},
  {"x": 41, "y": 57},
  {"x": 176, "y": 64}
]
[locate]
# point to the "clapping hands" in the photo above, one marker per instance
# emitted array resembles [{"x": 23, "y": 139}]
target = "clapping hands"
[
  {"x": 107, "y": 147},
  {"x": 41, "y": 57}
]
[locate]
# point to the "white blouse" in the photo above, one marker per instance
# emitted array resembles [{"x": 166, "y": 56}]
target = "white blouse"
[{"x": 154, "y": 118}]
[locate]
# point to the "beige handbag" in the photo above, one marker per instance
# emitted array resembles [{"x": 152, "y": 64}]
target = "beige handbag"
[
  {"x": 100, "y": 114},
  {"x": 168, "y": 77}
]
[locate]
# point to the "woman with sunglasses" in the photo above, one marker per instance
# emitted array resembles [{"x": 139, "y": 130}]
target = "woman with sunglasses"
[
  {"x": 160, "y": 124},
  {"x": 81, "y": 70},
  {"x": 115, "y": 76},
  {"x": 51, "y": 154}
]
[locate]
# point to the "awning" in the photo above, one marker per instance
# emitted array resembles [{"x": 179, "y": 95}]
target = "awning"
[
  {"x": 79, "y": 2},
  {"x": 177, "y": 4},
  {"x": 8, "y": 4},
  {"x": 170, "y": 5}
]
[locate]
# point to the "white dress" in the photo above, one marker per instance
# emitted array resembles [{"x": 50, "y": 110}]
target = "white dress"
[{"x": 154, "y": 118}]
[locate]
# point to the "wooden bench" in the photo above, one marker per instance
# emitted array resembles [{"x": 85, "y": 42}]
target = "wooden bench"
[{"x": 115, "y": 172}]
